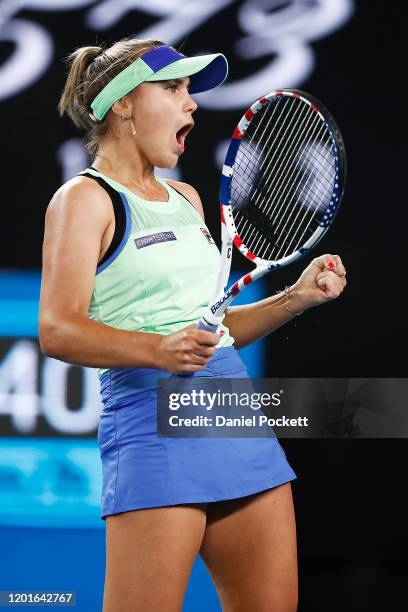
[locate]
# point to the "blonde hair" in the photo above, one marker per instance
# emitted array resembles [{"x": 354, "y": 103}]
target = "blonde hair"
[{"x": 90, "y": 69}]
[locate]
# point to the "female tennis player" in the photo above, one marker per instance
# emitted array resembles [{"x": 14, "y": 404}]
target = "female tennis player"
[{"x": 128, "y": 268}]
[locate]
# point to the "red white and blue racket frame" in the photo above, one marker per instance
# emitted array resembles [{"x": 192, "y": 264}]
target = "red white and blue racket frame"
[{"x": 221, "y": 299}]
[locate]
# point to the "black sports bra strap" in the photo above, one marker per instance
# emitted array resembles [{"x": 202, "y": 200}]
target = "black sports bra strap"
[
  {"x": 182, "y": 194},
  {"x": 119, "y": 211}
]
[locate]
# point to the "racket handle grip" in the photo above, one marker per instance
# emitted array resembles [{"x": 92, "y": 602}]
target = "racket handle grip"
[{"x": 205, "y": 326}]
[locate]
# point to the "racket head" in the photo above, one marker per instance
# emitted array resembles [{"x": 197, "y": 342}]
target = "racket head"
[{"x": 283, "y": 177}]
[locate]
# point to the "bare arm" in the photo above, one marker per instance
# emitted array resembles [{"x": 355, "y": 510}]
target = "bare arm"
[
  {"x": 319, "y": 283},
  {"x": 248, "y": 323},
  {"x": 323, "y": 280},
  {"x": 77, "y": 217}
]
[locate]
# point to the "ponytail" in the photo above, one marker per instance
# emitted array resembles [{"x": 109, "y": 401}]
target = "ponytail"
[
  {"x": 90, "y": 69},
  {"x": 72, "y": 100}
]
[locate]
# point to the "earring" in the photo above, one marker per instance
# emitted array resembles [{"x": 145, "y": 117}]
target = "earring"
[{"x": 127, "y": 116}]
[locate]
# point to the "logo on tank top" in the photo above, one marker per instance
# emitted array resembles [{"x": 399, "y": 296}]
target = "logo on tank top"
[
  {"x": 145, "y": 241},
  {"x": 207, "y": 235}
]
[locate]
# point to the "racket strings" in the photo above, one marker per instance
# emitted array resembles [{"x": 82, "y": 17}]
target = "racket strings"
[
  {"x": 313, "y": 199},
  {"x": 299, "y": 176},
  {"x": 289, "y": 163},
  {"x": 274, "y": 198},
  {"x": 285, "y": 130},
  {"x": 244, "y": 180},
  {"x": 283, "y": 178},
  {"x": 250, "y": 158}
]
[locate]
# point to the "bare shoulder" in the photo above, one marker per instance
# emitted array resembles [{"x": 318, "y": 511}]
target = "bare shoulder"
[
  {"x": 189, "y": 192},
  {"x": 81, "y": 197}
]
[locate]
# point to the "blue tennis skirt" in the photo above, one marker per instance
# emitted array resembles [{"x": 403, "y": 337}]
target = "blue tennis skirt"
[{"x": 142, "y": 470}]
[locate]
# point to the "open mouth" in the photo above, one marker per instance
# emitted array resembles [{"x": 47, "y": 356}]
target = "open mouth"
[{"x": 181, "y": 135}]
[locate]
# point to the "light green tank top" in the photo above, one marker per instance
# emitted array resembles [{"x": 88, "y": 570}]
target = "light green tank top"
[{"x": 162, "y": 275}]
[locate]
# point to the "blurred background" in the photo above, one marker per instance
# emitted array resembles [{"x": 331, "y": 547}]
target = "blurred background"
[{"x": 349, "y": 495}]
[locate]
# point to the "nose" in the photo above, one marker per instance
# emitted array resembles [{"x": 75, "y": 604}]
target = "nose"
[{"x": 191, "y": 104}]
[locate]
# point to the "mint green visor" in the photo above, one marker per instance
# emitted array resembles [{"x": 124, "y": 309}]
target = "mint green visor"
[{"x": 161, "y": 64}]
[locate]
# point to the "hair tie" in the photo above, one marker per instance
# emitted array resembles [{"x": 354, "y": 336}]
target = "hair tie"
[{"x": 93, "y": 118}]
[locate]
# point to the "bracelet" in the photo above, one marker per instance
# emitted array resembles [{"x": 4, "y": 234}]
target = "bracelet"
[{"x": 287, "y": 293}]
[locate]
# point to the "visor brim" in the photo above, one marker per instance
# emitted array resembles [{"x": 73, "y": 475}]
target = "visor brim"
[{"x": 205, "y": 71}]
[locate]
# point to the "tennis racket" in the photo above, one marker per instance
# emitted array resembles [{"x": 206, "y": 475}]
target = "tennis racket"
[{"x": 282, "y": 183}]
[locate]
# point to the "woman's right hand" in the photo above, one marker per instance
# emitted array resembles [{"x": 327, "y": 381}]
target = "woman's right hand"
[{"x": 187, "y": 350}]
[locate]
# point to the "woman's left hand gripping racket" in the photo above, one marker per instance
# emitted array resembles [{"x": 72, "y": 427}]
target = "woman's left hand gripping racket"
[{"x": 282, "y": 183}]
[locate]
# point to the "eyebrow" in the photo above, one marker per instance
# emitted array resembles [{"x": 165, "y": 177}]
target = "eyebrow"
[{"x": 179, "y": 81}]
